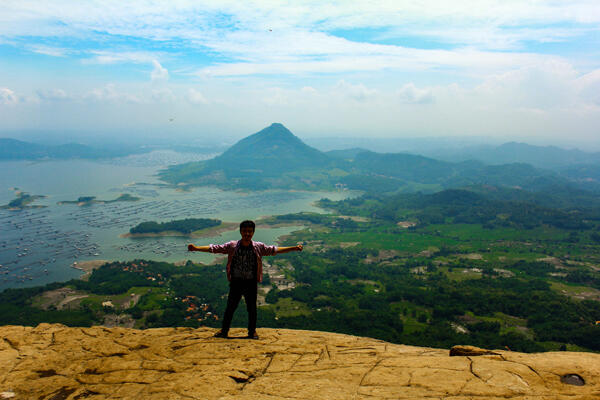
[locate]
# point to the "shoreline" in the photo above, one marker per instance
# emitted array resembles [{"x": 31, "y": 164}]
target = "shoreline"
[
  {"x": 261, "y": 223},
  {"x": 87, "y": 267},
  {"x": 207, "y": 232}
]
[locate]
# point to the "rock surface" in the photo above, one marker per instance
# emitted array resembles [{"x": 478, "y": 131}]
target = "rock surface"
[{"x": 54, "y": 362}]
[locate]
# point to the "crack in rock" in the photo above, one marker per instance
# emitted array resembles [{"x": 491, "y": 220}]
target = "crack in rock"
[
  {"x": 12, "y": 345},
  {"x": 62, "y": 394},
  {"x": 46, "y": 373},
  {"x": 362, "y": 380},
  {"x": 473, "y": 372}
]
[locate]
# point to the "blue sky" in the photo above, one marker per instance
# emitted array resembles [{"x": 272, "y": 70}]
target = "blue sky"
[{"x": 525, "y": 70}]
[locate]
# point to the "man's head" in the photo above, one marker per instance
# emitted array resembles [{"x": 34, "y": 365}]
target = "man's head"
[{"x": 247, "y": 231}]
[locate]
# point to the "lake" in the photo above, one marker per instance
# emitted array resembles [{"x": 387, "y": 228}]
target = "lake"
[{"x": 40, "y": 245}]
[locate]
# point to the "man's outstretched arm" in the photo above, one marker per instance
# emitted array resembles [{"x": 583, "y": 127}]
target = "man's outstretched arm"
[
  {"x": 205, "y": 249},
  {"x": 281, "y": 250}
]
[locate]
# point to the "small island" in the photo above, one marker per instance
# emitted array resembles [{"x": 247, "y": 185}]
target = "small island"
[
  {"x": 89, "y": 200},
  {"x": 182, "y": 227},
  {"x": 23, "y": 201}
]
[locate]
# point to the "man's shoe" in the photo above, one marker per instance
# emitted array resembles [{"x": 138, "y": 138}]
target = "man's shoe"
[
  {"x": 221, "y": 334},
  {"x": 253, "y": 336}
]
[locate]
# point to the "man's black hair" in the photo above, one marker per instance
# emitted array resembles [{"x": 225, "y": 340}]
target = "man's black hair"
[{"x": 248, "y": 224}]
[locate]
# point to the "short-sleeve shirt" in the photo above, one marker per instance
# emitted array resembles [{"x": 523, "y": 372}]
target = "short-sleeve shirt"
[
  {"x": 229, "y": 248},
  {"x": 244, "y": 265}
]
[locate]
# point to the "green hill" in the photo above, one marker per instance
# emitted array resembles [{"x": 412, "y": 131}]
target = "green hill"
[
  {"x": 549, "y": 157},
  {"x": 13, "y": 149},
  {"x": 273, "y": 157},
  {"x": 276, "y": 159},
  {"x": 269, "y": 152}
]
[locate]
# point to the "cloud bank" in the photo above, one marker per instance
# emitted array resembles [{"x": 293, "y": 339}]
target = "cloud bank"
[{"x": 487, "y": 67}]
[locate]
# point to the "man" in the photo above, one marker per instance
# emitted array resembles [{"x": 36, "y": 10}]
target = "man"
[{"x": 244, "y": 271}]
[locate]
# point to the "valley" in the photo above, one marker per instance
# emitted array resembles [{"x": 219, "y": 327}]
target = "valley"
[{"x": 428, "y": 253}]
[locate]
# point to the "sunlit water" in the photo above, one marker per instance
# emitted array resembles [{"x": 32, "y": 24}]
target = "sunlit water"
[{"x": 40, "y": 245}]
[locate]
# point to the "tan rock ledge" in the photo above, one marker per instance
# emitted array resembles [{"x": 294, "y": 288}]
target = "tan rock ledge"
[{"x": 56, "y": 362}]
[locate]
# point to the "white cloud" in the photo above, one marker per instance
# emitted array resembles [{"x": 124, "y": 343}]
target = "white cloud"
[
  {"x": 276, "y": 97},
  {"x": 159, "y": 73},
  {"x": 271, "y": 38},
  {"x": 197, "y": 20},
  {"x": 109, "y": 93},
  {"x": 318, "y": 54},
  {"x": 294, "y": 57},
  {"x": 52, "y": 94},
  {"x": 113, "y": 57},
  {"x": 194, "y": 96},
  {"x": 545, "y": 86},
  {"x": 588, "y": 86},
  {"x": 8, "y": 97},
  {"x": 49, "y": 51},
  {"x": 357, "y": 92},
  {"x": 500, "y": 107},
  {"x": 163, "y": 95},
  {"x": 409, "y": 93}
]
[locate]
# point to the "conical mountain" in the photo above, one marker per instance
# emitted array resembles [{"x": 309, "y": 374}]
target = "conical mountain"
[
  {"x": 275, "y": 158},
  {"x": 269, "y": 152},
  {"x": 271, "y": 158}
]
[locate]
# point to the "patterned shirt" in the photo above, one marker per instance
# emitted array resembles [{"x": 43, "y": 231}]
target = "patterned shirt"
[
  {"x": 243, "y": 264},
  {"x": 260, "y": 249}
]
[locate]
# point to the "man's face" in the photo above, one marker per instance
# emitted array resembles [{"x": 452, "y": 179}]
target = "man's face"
[{"x": 247, "y": 234}]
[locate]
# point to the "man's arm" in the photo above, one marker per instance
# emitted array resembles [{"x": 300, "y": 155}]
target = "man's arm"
[
  {"x": 281, "y": 250},
  {"x": 205, "y": 249}
]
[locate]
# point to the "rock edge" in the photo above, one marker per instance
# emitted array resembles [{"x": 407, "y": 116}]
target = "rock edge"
[{"x": 52, "y": 361}]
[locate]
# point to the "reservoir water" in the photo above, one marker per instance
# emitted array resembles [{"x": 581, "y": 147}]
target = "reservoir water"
[{"x": 40, "y": 245}]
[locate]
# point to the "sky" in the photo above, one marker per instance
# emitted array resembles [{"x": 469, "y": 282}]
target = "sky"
[{"x": 501, "y": 69}]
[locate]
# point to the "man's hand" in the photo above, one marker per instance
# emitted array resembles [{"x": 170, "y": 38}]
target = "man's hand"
[{"x": 281, "y": 250}]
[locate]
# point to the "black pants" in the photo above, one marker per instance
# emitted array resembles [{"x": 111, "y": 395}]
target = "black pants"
[{"x": 237, "y": 289}]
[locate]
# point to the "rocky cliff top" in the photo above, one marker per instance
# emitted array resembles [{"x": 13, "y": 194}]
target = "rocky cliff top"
[{"x": 60, "y": 363}]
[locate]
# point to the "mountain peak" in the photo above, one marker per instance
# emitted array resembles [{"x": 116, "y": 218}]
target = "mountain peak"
[
  {"x": 276, "y": 129},
  {"x": 272, "y": 150},
  {"x": 272, "y": 157}
]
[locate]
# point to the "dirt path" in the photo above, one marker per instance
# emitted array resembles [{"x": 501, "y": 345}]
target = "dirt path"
[{"x": 69, "y": 299}]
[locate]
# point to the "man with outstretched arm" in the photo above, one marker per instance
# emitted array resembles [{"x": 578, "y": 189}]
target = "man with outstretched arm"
[{"x": 244, "y": 271}]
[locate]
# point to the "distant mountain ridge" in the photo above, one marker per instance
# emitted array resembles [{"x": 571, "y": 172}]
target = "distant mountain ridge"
[
  {"x": 274, "y": 158},
  {"x": 13, "y": 149},
  {"x": 550, "y": 157}
]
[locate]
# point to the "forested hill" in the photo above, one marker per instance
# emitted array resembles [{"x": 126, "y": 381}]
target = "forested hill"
[
  {"x": 276, "y": 159},
  {"x": 184, "y": 226},
  {"x": 271, "y": 151},
  {"x": 550, "y": 157},
  {"x": 272, "y": 157},
  {"x": 468, "y": 207},
  {"x": 13, "y": 149}
]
